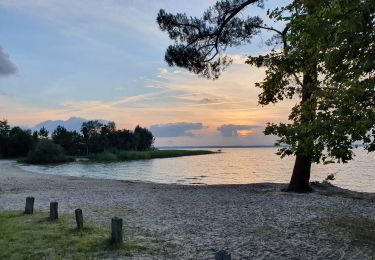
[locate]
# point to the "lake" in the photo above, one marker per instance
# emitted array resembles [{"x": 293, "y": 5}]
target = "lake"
[{"x": 232, "y": 166}]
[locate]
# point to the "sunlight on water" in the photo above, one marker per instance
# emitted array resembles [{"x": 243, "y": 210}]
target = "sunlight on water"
[{"x": 232, "y": 166}]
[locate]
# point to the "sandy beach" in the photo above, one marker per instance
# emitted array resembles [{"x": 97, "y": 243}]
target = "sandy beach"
[{"x": 254, "y": 221}]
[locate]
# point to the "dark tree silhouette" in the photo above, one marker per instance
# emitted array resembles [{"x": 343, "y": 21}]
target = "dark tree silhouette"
[
  {"x": 71, "y": 141},
  {"x": 323, "y": 53},
  {"x": 99, "y": 137},
  {"x": 91, "y": 131},
  {"x": 19, "y": 142},
  {"x": 96, "y": 138},
  {"x": 4, "y": 135},
  {"x": 43, "y": 133},
  {"x": 144, "y": 138}
]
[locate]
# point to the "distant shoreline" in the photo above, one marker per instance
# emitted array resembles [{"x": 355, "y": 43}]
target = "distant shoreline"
[
  {"x": 231, "y": 146},
  {"x": 218, "y": 146}
]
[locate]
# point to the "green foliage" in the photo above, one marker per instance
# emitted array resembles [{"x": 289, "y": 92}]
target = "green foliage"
[
  {"x": 43, "y": 133},
  {"x": 105, "y": 157},
  {"x": 14, "y": 142},
  {"x": 96, "y": 139},
  {"x": 133, "y": 155},
  {"x": 71, "y": 141},
  {"x": 144, "y": 138},
  {"x": 4, "y": 128},
  {"x": 122, "y": 140},
  {"x": 323, "y": 53},
  {"x": 330, "y": 177},
  {"x": 46, "y": 151},
  {"x": 332, "y": 39},
  {"x": 199, "y": 43},
  {"x": 35, "y": 237},
  {"x": 4, "y": 133},
  {"x": 99, "y": 137},
  {"x": 118, "y": 155}
]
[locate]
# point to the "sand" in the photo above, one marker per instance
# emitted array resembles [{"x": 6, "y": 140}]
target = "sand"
[{"x": 253, "y": 221}]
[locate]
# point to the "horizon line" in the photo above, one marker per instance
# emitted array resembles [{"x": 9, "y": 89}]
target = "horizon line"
[{"x": 221, "y": 146}]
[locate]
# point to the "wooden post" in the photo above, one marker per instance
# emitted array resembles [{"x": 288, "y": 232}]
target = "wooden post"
[
  {"x": 79, "y": 218},
  {"x": 116, "y": 234},
  {"x": 53, "y": 215},
  {"x": 223, "y": 255},
  {"x": 29, "y": 207}
]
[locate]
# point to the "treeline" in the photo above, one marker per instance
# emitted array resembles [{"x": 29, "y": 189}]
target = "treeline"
[{"x": 93, "y": 138}]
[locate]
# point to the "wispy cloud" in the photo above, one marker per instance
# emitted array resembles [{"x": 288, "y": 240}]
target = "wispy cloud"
[
  {"x": 232, "y": 99},
  {"x": 104, "y": 59}
]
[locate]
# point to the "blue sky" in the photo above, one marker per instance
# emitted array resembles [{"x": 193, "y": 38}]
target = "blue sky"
[{"x": 105, "y": 59}]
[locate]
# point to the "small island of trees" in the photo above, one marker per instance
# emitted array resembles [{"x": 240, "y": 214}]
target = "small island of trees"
[{"x": 95, "y": 141}]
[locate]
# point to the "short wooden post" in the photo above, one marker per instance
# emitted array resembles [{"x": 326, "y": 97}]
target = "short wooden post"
[
  {"x": 29, "y": 206},
  {"x": 79, "y": 218},
  {"x": 223, "y": 255},
  {"x": 116, "y": 234},
  {"x": 53, "y": 215}
]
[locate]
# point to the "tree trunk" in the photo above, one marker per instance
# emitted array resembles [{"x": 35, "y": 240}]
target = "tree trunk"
[{"x": 300, "y": 181}]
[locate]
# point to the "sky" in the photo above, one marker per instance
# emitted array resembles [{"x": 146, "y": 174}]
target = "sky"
[{"x": 99, "y": 59}]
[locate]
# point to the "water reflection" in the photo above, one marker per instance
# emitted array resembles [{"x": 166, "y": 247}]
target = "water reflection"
[{"x": 232, "y": 166}]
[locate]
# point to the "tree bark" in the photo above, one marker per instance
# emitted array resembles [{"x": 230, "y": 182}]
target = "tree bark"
[{"x": 300, "y": 181}]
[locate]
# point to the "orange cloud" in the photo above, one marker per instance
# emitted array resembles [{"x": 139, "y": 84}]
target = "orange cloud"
[
  {"x": 180, "y": 97},
  {"x": 245, "y": 132}
]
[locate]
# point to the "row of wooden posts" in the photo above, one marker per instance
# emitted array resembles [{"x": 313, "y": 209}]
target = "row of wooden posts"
[{"x": 116, "y": 223}]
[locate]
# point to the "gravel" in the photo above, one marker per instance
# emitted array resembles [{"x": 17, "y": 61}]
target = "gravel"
[{"x": 252, "y": 221}]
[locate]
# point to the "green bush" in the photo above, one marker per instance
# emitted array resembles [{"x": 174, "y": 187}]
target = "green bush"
[{"x": 47, "y": 151}]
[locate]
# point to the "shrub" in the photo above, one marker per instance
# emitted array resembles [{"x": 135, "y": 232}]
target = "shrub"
[{"x": 47, "y": 151}]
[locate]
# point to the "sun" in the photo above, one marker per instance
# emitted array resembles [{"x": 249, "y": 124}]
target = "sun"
[{"x": 244, "y": 132}]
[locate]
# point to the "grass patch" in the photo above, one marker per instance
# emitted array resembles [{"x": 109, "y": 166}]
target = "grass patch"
[
  {"x": 327, "y": 189},
  {"x": 35, "y": 237},
  {"x": 105, "y": 157},
  {"x": 361, "y": 231},
  {"x": 114, "y": 156}
]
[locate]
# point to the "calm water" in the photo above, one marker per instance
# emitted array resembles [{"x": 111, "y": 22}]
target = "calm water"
[{"x": 233, "y": 165}]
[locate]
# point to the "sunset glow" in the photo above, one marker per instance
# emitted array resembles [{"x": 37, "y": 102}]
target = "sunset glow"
[
  {"x": 98, "y": 65},
  {"x": 245, "y": 132}
]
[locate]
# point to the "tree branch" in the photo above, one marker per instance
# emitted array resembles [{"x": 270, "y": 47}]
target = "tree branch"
[
  {"x": 233, "y": 14},
  {"x": 269, "y": 29}
]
